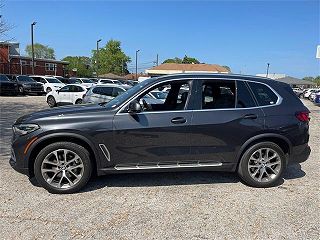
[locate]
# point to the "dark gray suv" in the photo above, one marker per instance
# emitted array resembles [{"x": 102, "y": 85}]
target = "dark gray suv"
[{"x": 208, "y": 122}]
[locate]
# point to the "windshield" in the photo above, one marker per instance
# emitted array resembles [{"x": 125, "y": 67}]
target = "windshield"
[
  {"x": 117, "y": 101},
  {"x": 53, "y": 80},
  {"x": 73, "y": 80},
  {"x": 3, "y": 78},
  {"x": 25, "y": 79},
  {"x": 86, "y": 80}
]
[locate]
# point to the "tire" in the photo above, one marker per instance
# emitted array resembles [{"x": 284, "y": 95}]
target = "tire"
[
  {"x": 21, "y": 90},
  {"x": 79, "y": 101},
  {"x": 51, "y": 101},
  {"x": 48, "y": 90},
  {"x": 55, "y": 176},
  {"x": 269, "y": 171},
  {"x": 301, "y": 95}
]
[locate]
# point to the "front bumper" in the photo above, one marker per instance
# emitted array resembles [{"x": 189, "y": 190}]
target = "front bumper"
[{"x": 16, "y": 165}]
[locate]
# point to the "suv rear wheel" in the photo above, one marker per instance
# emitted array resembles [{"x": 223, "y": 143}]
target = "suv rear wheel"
[
  {"x": 262, "y": 165},
  {"x": 63, "y": 167}
]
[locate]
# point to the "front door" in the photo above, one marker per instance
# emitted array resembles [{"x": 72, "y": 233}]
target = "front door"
[{"x": 158, "y": 134}]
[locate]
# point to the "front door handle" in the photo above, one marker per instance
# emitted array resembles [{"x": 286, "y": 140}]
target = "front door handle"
[
  {"x": 250, "y": 116},
  {"x": 178, "y": 120}
]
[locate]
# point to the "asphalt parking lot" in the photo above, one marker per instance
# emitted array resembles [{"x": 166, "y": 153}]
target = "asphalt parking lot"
[{"x": 192, "y": 205}]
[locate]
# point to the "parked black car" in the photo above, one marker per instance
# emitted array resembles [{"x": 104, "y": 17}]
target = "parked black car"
[
  {"x": 245, "y": 124},
  {"x": 26, "y": 84},
  {"x": 7, "y": 87}
]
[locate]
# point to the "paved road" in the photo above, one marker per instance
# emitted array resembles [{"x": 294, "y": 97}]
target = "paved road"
[{"x": 197, "y": 205}]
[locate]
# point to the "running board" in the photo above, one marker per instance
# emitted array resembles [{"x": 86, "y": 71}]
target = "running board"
[{"x": 121, "y": 167}]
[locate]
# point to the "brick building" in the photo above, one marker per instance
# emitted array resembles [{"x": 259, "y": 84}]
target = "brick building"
[{"x": 11, "y": 62}]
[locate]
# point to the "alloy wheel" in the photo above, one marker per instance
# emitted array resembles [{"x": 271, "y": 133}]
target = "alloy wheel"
[
  {"x": 264, "y": 165},
  {"x": 62, "y": 168}
]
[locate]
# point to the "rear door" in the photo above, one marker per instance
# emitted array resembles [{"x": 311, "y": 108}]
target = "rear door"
[{"x": 226, "y": 115}]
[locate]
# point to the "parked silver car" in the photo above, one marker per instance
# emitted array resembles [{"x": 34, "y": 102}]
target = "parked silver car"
[{"x": 104, "y": 93}]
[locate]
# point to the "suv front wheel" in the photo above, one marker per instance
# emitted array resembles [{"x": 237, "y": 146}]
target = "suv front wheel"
[
  {"x": 63, "y": 167},
  {"x": 262, "y": 165}
]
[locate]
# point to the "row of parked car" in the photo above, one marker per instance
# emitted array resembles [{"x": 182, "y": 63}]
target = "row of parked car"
[
  {"x": 63, "y": 91},
  {"x": 313, "y": 94}
]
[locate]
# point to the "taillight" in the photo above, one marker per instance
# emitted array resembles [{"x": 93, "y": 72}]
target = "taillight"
[{"x": 303, "y": 116}]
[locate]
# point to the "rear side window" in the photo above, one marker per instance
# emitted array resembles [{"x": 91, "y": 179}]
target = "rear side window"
[
  {"x": 264, "y": 95},
  {"x": 218, "y": 94},
  {"x": 107, "y": 91},
  {"x": 244, "y": 97},
  {"x": 117, "y": 91}
]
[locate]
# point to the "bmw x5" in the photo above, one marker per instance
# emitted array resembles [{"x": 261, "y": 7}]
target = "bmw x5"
[{"x": 208, "y": 122}]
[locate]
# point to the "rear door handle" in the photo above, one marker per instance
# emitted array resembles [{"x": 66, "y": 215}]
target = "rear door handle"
[
  {"x": 178, "y": 120},
  {"x": 250, "y": 116}
]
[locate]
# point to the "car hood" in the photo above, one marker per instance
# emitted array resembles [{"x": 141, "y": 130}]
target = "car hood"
[{"x": 59, "y": 112}]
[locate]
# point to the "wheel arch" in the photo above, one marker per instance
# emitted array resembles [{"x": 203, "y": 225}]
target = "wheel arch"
[
  {"x": 63, "y": 137},
  {"x": 278, "y": 139}
]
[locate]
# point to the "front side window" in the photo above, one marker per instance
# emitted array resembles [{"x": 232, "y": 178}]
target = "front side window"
[
  {"x": 218, "y": 94},
  {"x": 176, "y": 99},
  {"x": 117, "y": 91},
  {"x": 244, "y": 97},
  {"x": 264, "y": 95},
  {"x": 25, "y": 79}
]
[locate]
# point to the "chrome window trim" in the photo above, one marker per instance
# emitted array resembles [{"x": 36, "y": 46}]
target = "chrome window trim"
[{"x": 122, "y": 106}]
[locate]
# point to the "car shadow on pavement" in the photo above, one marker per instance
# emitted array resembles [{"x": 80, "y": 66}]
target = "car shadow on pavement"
[{"x": 173, "y": 179}]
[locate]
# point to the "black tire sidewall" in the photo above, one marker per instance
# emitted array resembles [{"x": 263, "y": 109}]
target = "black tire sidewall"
[
  {"x": 243, "y": 165},
  {"x": 83, "y": 154},
  {"x": 79, "y": 101},
  {"x": 51, "y": 97}
]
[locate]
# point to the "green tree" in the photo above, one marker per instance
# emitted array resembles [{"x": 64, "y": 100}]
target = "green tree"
[
  {"x": 111, "y": 59},
  {"x": 317, "y": 80},
  {"x": 308, "y": 78},
  {"x": 173, "y": 60},
  {"x": 186, "y": 60},
  {"x": 40, "y": 51},
  {"x": 228, "y": 68},
  {"x": 190, "y": 60},
  {"x": 81, "y": 63}
]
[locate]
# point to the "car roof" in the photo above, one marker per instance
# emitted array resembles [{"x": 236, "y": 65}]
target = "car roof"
[{"x": 78, "y": 85}]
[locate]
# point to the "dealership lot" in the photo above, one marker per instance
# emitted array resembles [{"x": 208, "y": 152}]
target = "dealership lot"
[{"x": 194, "y": 205}]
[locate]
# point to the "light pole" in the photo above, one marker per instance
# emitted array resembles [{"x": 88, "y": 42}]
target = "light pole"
[
  {"x": 97, "y": 60},
  {"x": 32, "y": 47},
  {"x": 137, "y": 64},
  {"x": 268, "y": 65}
]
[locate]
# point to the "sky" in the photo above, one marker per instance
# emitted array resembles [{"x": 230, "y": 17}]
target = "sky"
[{"x": 244, "y": 35}]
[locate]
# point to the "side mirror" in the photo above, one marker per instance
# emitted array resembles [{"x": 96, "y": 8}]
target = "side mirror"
[{"x": 134, "y": 107}]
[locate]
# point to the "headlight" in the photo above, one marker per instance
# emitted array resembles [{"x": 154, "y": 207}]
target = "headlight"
[{"x": 23, "y": 129}]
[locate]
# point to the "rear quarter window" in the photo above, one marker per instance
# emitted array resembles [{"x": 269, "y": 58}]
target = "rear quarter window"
[{"x": 264, "y": 95}]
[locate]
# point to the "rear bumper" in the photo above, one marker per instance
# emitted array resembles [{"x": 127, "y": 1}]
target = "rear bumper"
[{"x": 299, "y": 154}]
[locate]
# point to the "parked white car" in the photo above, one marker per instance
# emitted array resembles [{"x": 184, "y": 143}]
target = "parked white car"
[
  {"x": 308, "y": 92},
  {"x": 69, "y": 94},
  {"x": 314, "y": 94},
  {"x": 109, "y": 81},
  {"x": 86, "y": 82},
  {"x": 49, "y": 83}
]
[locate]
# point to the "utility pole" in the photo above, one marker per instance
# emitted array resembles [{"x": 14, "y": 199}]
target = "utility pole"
[
  {"x": 97, "y": 59},
  {"x": 268, "y": 65},
  {"x": 137, "y": 64},
  {"x": 32, "y": 47},
  {"x": 157, "y": 59}
]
